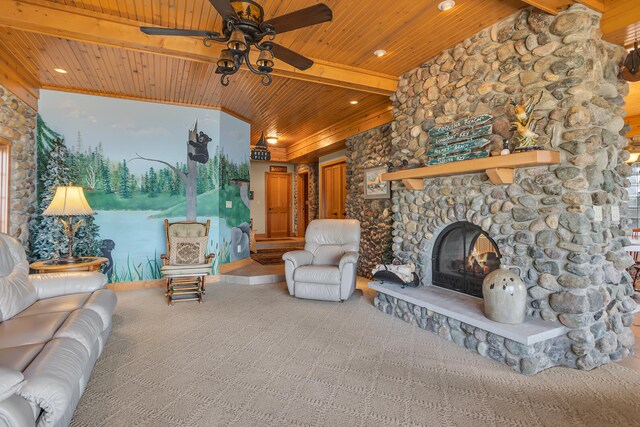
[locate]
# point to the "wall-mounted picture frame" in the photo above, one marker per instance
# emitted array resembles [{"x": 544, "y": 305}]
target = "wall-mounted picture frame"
[
  {"x": 277, "y": 168},
  {"x": 374, "y": 186}
]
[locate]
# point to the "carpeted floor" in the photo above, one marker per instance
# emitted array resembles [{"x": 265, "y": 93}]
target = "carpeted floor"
[
  {"x": 252, "y": 355},
  {"x": 272, "y": 256}
]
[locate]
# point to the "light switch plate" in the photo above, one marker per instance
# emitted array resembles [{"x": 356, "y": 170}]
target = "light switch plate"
[
  {"x": 597, "y": 213},
  {"x": 229, "y": 204},
  {"x": 615, "y": 214}
]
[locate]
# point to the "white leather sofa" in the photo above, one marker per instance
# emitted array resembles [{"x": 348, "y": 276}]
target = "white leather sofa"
[
  {"x": 53, "y": 327},
  {"x": 326, "y": 268}
]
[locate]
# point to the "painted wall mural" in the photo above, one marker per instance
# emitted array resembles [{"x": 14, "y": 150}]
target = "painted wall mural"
[{"x": 140, "y": 163}]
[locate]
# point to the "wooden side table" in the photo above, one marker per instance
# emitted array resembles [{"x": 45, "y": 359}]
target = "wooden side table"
[{"x": 50, "y": 266}]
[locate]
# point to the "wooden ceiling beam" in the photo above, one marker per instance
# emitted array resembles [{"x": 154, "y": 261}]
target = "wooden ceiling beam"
[
  {"x": 92, "y": 27},
  {"x": 15, "y": 78},
  {"x": 551, "y": 6},
  {"x": 334, "y": 136},
  {"x": 619, "y": 14}
]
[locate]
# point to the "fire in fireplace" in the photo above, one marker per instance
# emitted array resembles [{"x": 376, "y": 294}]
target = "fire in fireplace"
[{"x": 463, "y": 255}]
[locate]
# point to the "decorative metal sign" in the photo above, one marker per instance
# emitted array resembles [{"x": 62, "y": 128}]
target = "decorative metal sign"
[
  {"x": 462, "y": 136},
  {"x": 458, "y": 157},
  {"x": 460, "y": 125},
  {"x": 459, "y": 147},
  {"x": 468, "y": 142}
]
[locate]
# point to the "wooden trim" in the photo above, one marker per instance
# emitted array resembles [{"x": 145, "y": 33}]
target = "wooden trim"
[
  {"x": 501, "y": 176},
  {"x": 261, "y": 236},
  {"x": 413, "y": 183},
  {"x": 511, "y": 161},
  {"x": 47, "y": 86},
  {"x": 551, "y": 6},
  {"x": 266, "y": 198},
  {"x": 5, "y": 187},
  {"x": 16, "y": 79},
  {"x": 634, "y": 122},
  {"x": 100, "y": 28},
  {"x": 299, "y": 204},
  {"x": 597, "y": 5},
  {"x": 336, "y": 134}
]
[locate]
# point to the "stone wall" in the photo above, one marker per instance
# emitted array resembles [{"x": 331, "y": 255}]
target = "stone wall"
[
  {"x": 369, "y": 149},
  {"x": 573, "y": 265},
  {"x": 17, "y": 125},
  {"x": 314, "y": 200}
]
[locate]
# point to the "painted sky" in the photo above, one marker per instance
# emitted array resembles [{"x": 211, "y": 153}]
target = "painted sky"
[{"x": 150, "y": 129}]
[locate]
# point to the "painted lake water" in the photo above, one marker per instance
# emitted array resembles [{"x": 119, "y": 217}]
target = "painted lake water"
[{"x": 138, "y": 258}]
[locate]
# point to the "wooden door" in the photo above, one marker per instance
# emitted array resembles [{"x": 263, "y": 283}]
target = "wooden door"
[
  {"x": 303, "y": 202},
  {"x": 334, "y": 190},
  {"x": 278, "y": 198}
]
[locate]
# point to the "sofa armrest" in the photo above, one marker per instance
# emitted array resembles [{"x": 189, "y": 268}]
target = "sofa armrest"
[
  {"x": 57, "y": 284},
  {"x": 10, "y": 382},
  {"x": 349, "y": 258},
  {"x": 298, "y": 258}
]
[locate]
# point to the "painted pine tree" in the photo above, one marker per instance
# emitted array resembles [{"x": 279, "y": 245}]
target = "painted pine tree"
[{"x": 125, "y": 182}]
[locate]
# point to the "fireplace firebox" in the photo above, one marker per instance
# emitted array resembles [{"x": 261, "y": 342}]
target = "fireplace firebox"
[{"x": 463, "y": 255}]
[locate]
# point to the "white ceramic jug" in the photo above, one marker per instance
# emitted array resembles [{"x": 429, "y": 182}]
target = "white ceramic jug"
[{"x": 505, "y": 296}]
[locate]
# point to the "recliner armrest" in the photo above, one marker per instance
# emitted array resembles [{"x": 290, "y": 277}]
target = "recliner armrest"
[
  {"x": 298, "y": 258},
  {"x": 348, "y": 258},
  {"x": 57, "y": 284}
]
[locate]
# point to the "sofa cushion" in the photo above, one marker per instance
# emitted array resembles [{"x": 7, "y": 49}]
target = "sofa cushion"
[
  {"x": 10, "y": 381},
  {"x": 18, "y": 358},
  {"x": 82, "y": 325},
  {"x": 317, "y": 291},
  {"x": 317, "y": 274},
  {"x": 30, "y": 329},
  {"x": 66, "y": 303},
  {"x": 54, "y": 380},
  {"x": 104, "y": 303},
  {"x": 328, "y": 255}
]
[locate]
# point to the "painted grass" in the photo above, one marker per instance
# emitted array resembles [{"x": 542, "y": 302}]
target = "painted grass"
[{"x": 100, "y": 200}]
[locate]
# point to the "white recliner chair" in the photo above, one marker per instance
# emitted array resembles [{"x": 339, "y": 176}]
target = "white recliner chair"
[{"x": 326, "y": 268}]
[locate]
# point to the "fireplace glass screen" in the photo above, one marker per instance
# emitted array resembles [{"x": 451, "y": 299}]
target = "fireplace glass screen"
[{"x": 462, "y": 256}]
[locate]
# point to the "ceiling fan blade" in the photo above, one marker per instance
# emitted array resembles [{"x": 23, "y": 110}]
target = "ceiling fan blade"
[
  {"x": 155, "y": 31},
  {"x": 289, "y": 56},
  {"x": 224, "y": 8},
  {"x": 301, "y": 18}
]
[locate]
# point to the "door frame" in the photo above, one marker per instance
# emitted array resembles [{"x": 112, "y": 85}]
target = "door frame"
[
  {"x": 5, "y": 187},
  {"x": 266, "y": 202},
  {"x": 299, "y": 206},
  {"x": 323, "y": 166}
]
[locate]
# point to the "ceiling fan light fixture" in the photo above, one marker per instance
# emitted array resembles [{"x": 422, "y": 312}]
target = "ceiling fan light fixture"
[
  {"x": 265, "y": 60},
  {"x": 60, "y": 70},
  {"x": 237, "y": 41},
  {"x": 380, "y": 53},
  {"x": 226, "y": 59},
  {"x": 446, "y": 5},
  {"x": 272, "y": 139},
  {"x": 354, "y": 102}
]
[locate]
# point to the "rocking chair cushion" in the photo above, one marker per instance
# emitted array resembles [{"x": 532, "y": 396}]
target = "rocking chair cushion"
[
  {"x": 186, "y": 270},
  {"x": 187, "y": 250}
]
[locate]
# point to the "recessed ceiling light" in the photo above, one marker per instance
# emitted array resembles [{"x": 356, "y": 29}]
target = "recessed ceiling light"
[
  {"x": 272, "y": 139},
  {"x": 60, "y": 70},
  {"x": 353, "y": 102},
  {"x": 446, "y": 5},
  {"x": 380, "y": 52}
]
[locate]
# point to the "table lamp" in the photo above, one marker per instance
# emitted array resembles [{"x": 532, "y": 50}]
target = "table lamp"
[{"x": 69, "y": 201}]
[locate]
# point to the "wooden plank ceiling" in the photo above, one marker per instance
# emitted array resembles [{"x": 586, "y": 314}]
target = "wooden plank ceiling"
[{"x": 294, "y": 109}]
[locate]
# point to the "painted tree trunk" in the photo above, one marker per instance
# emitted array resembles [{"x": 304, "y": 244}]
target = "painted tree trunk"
[{"x": 191, "y": 185}]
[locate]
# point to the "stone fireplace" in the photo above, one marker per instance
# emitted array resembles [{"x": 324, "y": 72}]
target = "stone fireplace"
[
  {"x": 563, "y": 225},
  {"x": 463, "y": 255}
]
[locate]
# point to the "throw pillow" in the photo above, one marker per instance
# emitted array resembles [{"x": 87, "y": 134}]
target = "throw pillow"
[{"x": 187, "y": 250}]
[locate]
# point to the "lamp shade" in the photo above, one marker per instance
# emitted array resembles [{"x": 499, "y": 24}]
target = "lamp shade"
[{"x": 69, "y": 201}]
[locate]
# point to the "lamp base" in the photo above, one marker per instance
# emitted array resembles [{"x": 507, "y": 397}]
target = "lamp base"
[{"x": 69, "y": 260}]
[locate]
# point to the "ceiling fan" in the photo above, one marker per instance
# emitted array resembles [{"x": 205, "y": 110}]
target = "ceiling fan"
[
  {"x": 243, "y": 26},
  {"x": 631, "y": 69}
]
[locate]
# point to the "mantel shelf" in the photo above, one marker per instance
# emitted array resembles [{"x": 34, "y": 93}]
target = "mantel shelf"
[{"x": 500, "y": 169}]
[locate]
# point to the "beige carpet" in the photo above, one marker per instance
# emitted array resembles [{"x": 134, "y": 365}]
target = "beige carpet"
[{"x": 255, "y": 356}]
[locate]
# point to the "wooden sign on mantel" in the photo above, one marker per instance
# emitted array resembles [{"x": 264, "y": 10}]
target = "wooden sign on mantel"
[{"x": 467, "y": 143}]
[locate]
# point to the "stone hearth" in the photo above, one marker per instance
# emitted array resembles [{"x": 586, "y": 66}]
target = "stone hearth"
[{"x": 558, "y": 223}]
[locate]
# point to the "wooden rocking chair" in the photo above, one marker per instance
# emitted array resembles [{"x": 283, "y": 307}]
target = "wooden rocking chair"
[{"x": 186, "y": 264}]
